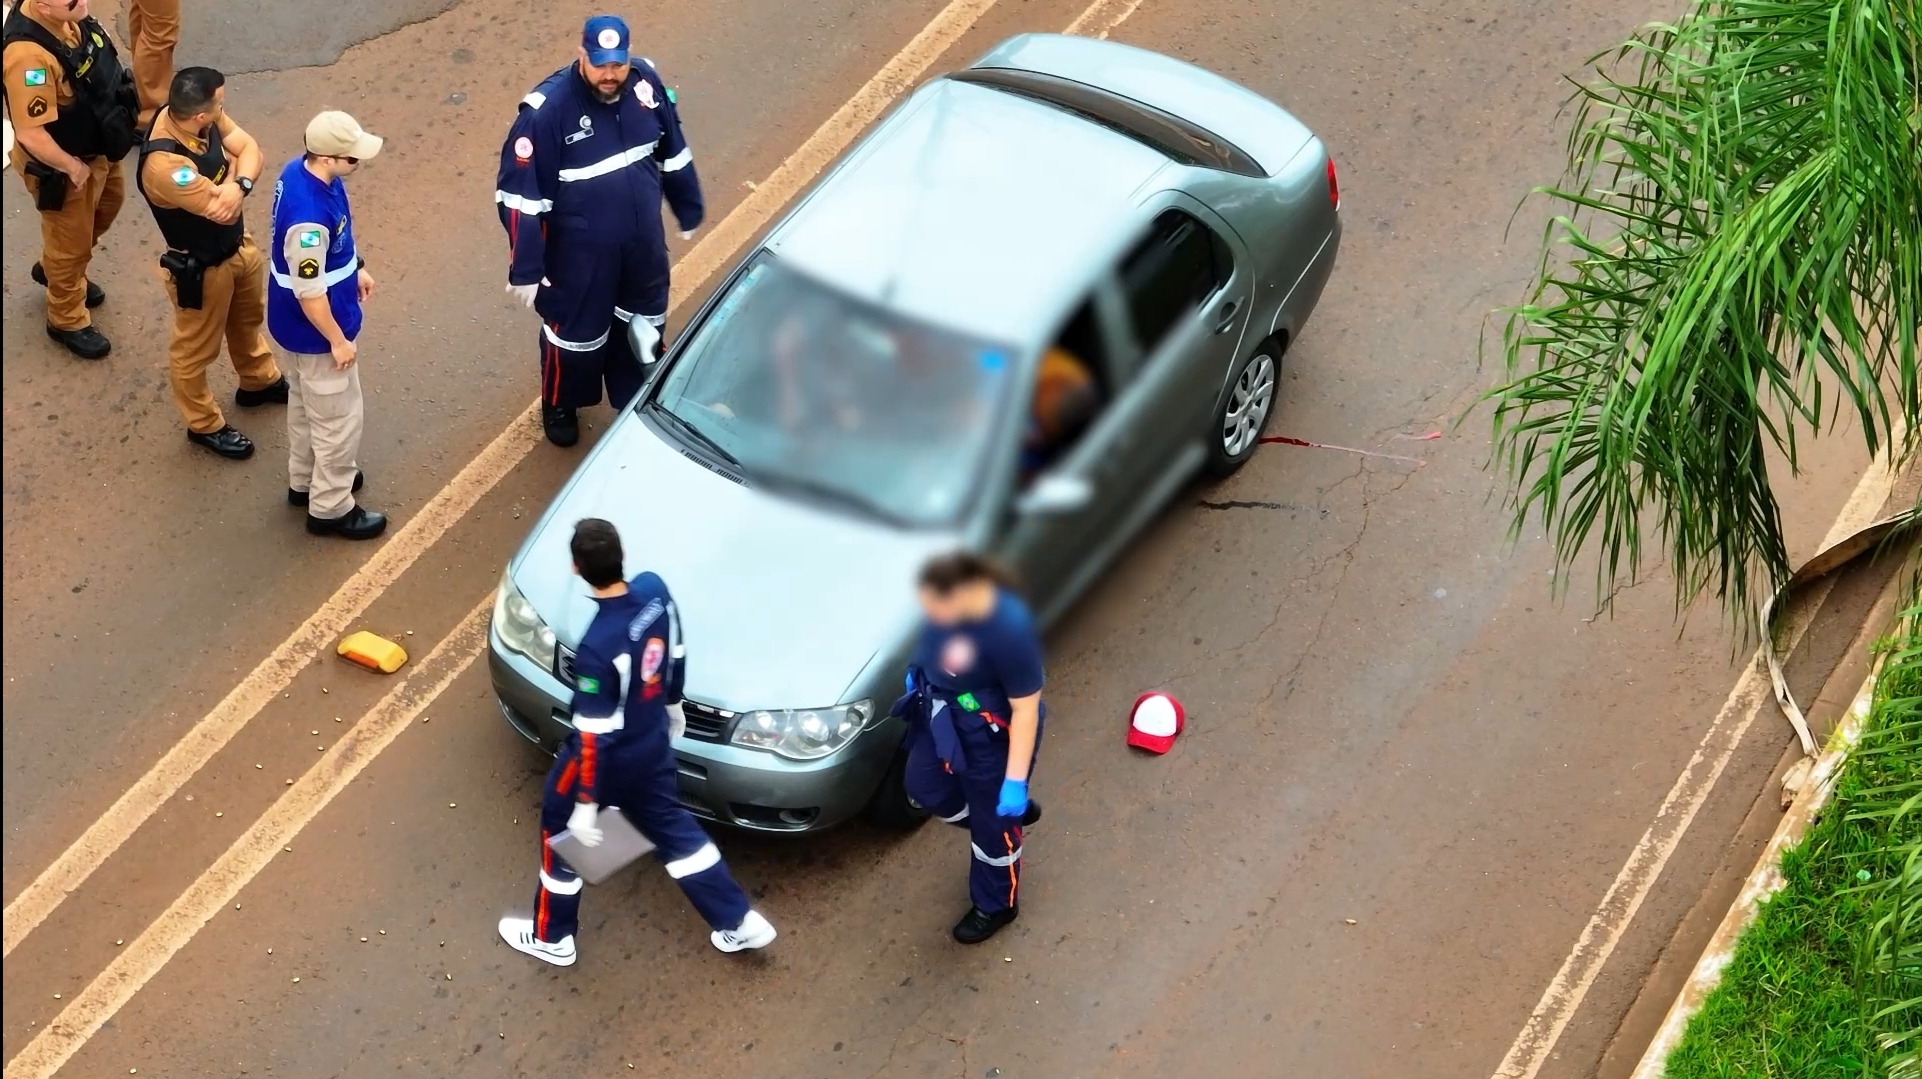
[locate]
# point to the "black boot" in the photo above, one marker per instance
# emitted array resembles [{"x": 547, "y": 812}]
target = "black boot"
[
  {"x": 358, "y": 523},
  {"x": 95, "y": 294},
  {"x": 978, "y": 925},
  {"x": 226, "y": 442},
  {"x": 275, "y": 394},
  {"x": 563, "y": 425},
  {"x": 85, "y": 342}
]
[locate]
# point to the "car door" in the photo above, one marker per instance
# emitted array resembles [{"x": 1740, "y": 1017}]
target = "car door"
[
  {"x": 1185, "y": 290},
  {"x": 1057, "y": 532}
]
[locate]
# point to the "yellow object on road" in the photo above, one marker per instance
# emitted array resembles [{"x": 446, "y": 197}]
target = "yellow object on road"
[{"x": 373, "y": 652}]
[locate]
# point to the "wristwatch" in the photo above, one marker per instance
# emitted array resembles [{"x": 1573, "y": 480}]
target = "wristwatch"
[{"x": 246, "y": 186}]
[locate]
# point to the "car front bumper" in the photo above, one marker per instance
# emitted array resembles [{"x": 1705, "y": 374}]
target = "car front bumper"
[{"x": 745, "y": 788}]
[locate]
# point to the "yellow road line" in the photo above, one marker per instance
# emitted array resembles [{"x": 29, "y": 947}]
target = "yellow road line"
[{"x": 50, "y": 888}]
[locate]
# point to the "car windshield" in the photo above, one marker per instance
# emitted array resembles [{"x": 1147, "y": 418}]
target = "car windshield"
[{"x": 835, "y": 399}]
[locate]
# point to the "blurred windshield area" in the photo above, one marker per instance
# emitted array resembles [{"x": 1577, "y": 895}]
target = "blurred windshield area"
[{"x": 840, "y": 400}]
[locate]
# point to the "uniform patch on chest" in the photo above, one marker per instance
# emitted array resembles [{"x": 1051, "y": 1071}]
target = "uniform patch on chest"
[
  {"x": 958, "y": 654},
  {"x": 645, "y": 91}
]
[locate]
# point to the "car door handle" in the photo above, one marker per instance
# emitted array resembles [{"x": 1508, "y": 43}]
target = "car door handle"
[{"x": 1227, "y": 318}]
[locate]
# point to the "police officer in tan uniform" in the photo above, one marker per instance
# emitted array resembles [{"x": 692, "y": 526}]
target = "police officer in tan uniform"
[
  {"x": 196, "y": 169},
  {"x": 71, "y": 105}
]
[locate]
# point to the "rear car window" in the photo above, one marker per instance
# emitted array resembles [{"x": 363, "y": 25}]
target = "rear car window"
[{"x": 1170, "y": 275}]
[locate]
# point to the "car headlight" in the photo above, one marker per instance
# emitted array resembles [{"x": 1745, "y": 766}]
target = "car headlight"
[
  {"x": 802, "y": 734},
  {"x": 520, "y": 626}
]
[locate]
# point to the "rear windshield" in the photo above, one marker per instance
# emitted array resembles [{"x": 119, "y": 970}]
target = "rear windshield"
[{"x": 807, "y": 391}]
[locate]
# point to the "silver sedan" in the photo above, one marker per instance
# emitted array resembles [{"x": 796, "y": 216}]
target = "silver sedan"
[{"x": 1020, "y": 315}]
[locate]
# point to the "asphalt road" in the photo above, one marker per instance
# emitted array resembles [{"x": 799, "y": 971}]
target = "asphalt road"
[{"x": 1391, "y": 720}]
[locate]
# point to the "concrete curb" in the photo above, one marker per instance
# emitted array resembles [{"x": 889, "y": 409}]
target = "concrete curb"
[{"x": 1764, "y": 881}]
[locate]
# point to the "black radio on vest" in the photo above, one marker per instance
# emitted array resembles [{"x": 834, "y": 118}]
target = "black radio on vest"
[{"x": 102, "y": 120}]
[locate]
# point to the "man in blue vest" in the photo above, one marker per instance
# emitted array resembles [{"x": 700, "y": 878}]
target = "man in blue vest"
[
  {"x": 313, "y": 311},
  {"x": 592, "y": 152}
]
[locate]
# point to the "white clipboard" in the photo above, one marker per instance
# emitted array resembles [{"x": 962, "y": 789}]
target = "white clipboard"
[{"x": 620, "y": 846}]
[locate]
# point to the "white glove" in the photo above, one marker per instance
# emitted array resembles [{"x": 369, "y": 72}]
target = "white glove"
[
  {"x": 676, "y": 721},
  {"x": 689, "y": 234},
  {"x": 581, "y": 824},
  {"x": 523, "y": 293}
]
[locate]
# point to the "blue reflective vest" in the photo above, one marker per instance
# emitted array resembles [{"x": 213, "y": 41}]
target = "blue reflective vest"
[{"x": 301, "y": 198}]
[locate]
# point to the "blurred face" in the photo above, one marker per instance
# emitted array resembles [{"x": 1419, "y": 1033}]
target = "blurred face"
[
  {"x": 606, "y": 79},
  {"x": 965, "y": 603}
]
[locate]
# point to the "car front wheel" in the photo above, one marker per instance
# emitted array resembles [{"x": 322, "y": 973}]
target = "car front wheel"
[
  {"x": 1244, "y": 412},
  {"x": 891, "y": 808}
]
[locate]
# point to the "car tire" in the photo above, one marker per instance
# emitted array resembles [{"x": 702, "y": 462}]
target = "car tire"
[
  {"x": 891, "y": 808},
  {"x": 1245, "y": 409}
]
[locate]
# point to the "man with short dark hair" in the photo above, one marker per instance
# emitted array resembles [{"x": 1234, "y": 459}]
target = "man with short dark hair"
[
  {"x": 72, "y": 107},
  {"x": 628, "y": 671},
  {"x": 195, "y": 168}
]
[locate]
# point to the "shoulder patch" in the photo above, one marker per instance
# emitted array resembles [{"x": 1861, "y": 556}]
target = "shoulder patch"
[
  {"x": 36, "y": 76},
  {"x": 523, "y": 149},
  {"x": 37, "y": 107},
  {"x": 308, "y": 269},
  {"x": 587, "y": 685},
  {"x": 645, "y": 619},
  {"x": 312, "y": 237},
  {"x": 183, "y": 176}
]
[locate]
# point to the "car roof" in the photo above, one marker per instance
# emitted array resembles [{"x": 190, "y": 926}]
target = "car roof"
[{"x": 976, "y": 209}]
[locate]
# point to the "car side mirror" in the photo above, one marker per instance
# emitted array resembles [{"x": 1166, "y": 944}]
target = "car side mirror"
[
  {"x": 1054, "y": 494},
  {"x": 644, "y": 339}
]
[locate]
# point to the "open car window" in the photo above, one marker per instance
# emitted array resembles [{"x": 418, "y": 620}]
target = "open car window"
[{"x": 833, "y": 399}]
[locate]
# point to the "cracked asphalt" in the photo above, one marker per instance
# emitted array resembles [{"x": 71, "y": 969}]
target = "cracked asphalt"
[{"x": 1391, "y": 718}]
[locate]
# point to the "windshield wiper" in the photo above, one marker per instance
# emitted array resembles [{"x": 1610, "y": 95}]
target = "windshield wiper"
[
  {"x": 829, "y": 492},
  {"x": 698, "y": 435}
]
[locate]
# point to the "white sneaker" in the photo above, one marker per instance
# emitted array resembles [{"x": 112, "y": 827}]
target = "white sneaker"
[
  {"x": 754, "y": 932},
  {"x": 519, "y": 935}
]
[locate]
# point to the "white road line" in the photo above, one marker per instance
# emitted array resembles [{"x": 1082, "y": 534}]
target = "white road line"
[
  {"x": 1102, "y": 17},
  {"x": 210, "y": 893},
  {"x": 50, "y": 888},
  {"x": 1646, "y": 861}
]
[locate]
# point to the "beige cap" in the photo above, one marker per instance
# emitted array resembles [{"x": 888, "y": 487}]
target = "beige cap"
[{"x": 336, "y": 134}]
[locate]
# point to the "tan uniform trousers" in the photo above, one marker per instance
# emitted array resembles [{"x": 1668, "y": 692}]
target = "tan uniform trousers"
[
  {"x": 68, "y": 236},
  {"x": 154, "y": 26},
  {"x": 324, "y": 413},
  {"x": 233, "y": 305}
]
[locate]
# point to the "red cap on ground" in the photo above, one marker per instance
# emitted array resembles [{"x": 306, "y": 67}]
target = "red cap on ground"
[{"x": 1155, "y": 722}]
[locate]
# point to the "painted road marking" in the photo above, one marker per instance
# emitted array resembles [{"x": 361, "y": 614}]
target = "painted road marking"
[
  {"x": 256, "y": 848},
  {"x": 216, "y": 888},
  {"x": 317, "y": 634},
  {"x": 1650, "y": 855}
]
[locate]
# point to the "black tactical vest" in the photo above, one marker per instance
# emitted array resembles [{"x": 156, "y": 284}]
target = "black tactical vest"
[
  {"x": 101, "y": 120},
  {"x": 209, "y": 242}
]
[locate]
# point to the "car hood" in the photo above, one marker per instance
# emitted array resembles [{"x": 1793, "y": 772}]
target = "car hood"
[{"x": 782, "y": 603}]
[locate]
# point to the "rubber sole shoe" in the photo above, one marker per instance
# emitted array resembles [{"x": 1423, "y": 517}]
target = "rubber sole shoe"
[
  {"x": 275, "y": 394},
  {"x": 226, "y": 442},
  {"x": 519, "y": 935},
  {"x": 359, "y": 523},
  {"x": 299, "y": 498},
  {"x": 86, "y": 342},
  {"x": 978, "y": 925},
  {"x": 95, "y": 294},
  {"x": 562, "y": 425},
  {"x": 755, "y": 932}
]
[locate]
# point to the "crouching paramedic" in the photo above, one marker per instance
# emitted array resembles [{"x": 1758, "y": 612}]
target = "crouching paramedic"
[
  {"x": 627, "y": 701},
  {"x": 974, "y": 711}
]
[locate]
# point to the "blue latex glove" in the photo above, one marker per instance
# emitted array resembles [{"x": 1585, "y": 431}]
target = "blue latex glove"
[{"x": 1014, "y": 798}]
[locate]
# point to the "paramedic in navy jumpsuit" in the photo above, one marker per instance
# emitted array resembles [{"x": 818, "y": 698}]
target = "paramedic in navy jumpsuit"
[
  {"x": 591, "y": 153},
  {"x": 974, "y": 710},
  {"x": 628, "y": 672}
]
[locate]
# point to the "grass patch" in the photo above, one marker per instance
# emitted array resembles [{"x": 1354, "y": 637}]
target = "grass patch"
[{"x": 1828, "y": 979}]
